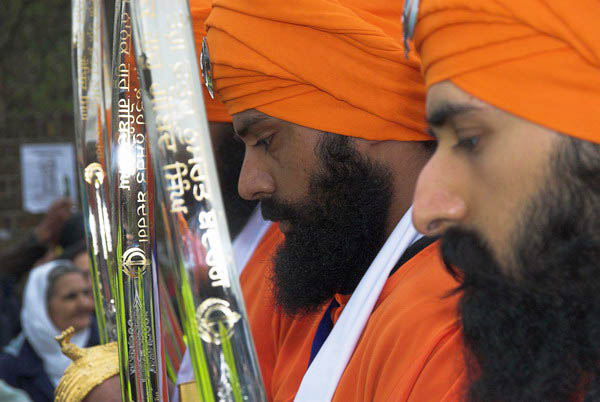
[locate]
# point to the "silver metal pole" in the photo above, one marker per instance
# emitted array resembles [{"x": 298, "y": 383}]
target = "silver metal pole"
[{"x": 209, "y": 296}]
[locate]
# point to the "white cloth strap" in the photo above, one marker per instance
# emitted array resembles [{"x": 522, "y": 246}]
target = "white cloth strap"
[
  {"x": 249, "y": 238},
  {"x": 321, "y": 379}
]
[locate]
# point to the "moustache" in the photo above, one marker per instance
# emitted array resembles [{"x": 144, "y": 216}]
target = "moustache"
[
  {"x": 470, "y": 260},
  {"x": 277, "y": 211}
]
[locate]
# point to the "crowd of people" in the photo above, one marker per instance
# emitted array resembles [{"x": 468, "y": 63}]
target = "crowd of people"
[
  {"x": 46, "y": 289},
  {"x": 421, "y": 185}
]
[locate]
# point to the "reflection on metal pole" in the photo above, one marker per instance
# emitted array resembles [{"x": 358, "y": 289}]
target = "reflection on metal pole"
[
  {"x": 90, "y": 69},
  {"x": 132, "y": 191},
  {"x": 209, "y": 297}
]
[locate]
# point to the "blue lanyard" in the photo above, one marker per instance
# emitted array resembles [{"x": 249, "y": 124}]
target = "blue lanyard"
[{"x": 323, "y": 330}]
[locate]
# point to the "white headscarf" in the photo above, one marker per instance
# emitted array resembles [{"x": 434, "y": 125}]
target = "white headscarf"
[{"x": 39, "y": 328}]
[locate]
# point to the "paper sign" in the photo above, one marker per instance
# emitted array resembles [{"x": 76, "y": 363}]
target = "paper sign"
[{"x": 47, "y": 173}]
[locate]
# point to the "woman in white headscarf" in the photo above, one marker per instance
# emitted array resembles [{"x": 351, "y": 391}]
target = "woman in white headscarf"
[{"x": 57, "y": 295}]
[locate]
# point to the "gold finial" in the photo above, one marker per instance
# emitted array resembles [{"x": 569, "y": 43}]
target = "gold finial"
[{"x": 69, "y": 349}]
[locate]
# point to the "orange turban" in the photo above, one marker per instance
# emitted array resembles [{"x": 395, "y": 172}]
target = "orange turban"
[
  {"x": 331, "y": 65},
  {"x": 537, "y": 59},
  {"x": 215, "y": 110}
]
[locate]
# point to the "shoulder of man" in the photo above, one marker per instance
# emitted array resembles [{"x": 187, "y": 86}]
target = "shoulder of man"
[{"x": 411, "y": 348}]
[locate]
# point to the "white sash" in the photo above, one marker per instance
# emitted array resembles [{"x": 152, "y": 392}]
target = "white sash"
[
  {"x": 321, "y": 379},
  {"x": 249, "y": 238}
]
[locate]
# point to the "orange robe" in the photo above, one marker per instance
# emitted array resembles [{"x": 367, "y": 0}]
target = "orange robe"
[
  {"x": 256, "y": 288},
  {"x": 410, "y": 349}
]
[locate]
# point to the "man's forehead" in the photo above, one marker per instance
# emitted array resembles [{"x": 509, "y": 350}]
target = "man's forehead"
[
  {"x": 446, "y": 100},
  {"x": 446, "y": 103},
  {"x": 243, "y": 120}
]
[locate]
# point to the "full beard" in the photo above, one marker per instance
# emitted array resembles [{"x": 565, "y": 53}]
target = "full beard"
[
  {"x": 535, "y": 335},
  {"x": 335, "y": 234}
]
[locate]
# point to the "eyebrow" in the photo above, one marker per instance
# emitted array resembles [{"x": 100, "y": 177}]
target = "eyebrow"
[
  {"x": 247, "y": 123},
  {"x": 442, "y": 113}
]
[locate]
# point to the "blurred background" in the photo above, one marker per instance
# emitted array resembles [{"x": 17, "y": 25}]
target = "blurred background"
[
  {"x": 35, "y": 104},
  {"x": 44, "y": 269}
]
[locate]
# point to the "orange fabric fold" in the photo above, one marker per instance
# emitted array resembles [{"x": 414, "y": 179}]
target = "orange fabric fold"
[
  {"x": 215, "y": 109},
  {"x": 537, "y": 59},
  {"x": 392, "y": 361},
  {"x": 336, "y": 66}
]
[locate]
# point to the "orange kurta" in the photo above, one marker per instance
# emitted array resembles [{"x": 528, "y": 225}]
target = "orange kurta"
[{"x": 410, "y": 349}]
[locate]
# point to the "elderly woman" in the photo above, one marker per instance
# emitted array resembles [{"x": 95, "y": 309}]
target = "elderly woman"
[{"x": 57, "y": 295}]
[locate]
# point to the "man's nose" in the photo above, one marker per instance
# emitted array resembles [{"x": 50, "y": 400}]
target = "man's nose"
[
  {"x": 438, "y": 203},
  {"x": 255, "y": 181}
]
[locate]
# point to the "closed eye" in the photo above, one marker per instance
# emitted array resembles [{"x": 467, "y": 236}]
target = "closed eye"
[
  {"x": 467, "y": 144},
  {"x": 264, "y": 142}
]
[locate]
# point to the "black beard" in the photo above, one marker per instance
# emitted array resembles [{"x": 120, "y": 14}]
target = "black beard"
[
  {"x": 535, "y": 335},
  {"x": 229, "y": 155},
  {"x": 335, "y": 234}
]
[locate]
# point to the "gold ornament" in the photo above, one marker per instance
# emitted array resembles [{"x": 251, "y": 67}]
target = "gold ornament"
[{"x": 90, "y": 367}]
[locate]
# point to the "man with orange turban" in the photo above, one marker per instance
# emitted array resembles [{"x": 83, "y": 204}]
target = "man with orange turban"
[
  {"x": 514, "y": 187},
  {"x": 332, "y": 118}
]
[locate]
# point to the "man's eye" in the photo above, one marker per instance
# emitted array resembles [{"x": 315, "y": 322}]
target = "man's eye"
[
  {"x": 264, "y": 142},
  {"x": 467, "y": 144}
]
